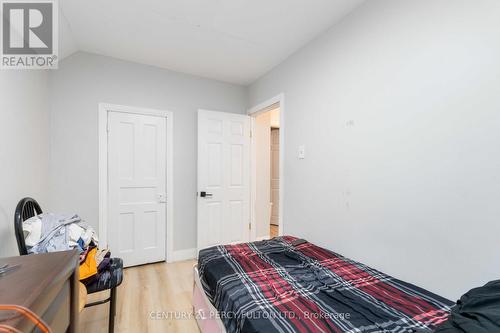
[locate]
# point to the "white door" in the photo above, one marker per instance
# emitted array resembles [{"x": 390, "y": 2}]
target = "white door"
[
  {"x": 137, "y": 183},
  {"x": 223, "y": 178}
]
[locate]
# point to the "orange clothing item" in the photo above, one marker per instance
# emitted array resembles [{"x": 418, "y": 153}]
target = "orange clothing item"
[{"x": 88, "y": 268}]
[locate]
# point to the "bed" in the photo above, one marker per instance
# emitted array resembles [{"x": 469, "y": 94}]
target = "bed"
[{"x": 290, "y": 285}]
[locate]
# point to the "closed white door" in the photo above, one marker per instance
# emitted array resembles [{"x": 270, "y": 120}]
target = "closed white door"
[
  {"x": 275, "y": 175},
  {"x": 223, "y": 178},
  {"x": 136, "y": 186}
]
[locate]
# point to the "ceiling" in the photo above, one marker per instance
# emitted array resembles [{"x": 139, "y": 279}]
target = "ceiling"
[{"x": 235, "y": 41}]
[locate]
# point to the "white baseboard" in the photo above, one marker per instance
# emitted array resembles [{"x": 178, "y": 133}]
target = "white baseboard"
[{"x": 181, "y": 255}]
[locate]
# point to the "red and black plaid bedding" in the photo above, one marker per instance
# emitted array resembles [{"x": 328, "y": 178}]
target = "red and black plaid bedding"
[{"x": 274, "y": 286}]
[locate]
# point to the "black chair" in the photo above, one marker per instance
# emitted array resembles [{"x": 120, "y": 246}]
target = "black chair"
[{"x": 27, "y": 208}]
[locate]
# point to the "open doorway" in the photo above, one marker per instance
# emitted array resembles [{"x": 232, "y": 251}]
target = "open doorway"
[
  {"x": 267, "y": 177},
  {"x": 275, "y": 172}
]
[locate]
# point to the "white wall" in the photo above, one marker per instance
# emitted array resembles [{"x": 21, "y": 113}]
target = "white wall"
[
  {"x": 262, "y": 150},
  {"x": 399, "y": 109},
  {"x": 84, "y": 80},
  {"x": 24, "y": 146}
]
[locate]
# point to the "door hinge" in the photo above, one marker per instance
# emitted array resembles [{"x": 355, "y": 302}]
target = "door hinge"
[
  {"x": 251, "y": 134},
  {"x": 250, "y": 226}
]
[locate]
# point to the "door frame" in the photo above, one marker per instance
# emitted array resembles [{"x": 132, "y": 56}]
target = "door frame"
[
  {"x": 104, "y": 109},
  {"x": 266, "y": 106}
]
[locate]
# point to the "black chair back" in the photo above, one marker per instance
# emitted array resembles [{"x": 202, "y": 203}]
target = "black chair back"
[{"x": 26, "y": 208}]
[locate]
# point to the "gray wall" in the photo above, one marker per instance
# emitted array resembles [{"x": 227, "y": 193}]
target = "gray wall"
[
  {"x": 84, "y": 80},
  {"x": 24, "y": 146},
  {"x": 399, "y": 109}
]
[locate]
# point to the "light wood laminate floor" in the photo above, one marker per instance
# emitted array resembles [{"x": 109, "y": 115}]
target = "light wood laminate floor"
[{"x": 152, "y": 298}]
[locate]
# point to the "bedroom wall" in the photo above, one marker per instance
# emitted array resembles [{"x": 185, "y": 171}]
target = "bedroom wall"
[
  {"x": 84, "y": 80},
  {"x": 399, "y": 109},
  {"x": 24, "y": 146}
]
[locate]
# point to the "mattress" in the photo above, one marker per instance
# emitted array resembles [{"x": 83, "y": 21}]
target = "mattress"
[{"x": 278, "y": 286}]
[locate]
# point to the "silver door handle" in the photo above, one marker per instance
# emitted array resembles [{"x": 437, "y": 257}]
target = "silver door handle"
[
  {"x": 162, "y": 198},
  {"x": 204, "y": 194}
]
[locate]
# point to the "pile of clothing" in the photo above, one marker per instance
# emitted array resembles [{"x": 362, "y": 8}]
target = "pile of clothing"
[
  {"x": 51, "y": 232},
  {"x": 93, "y": 263},
  {"x": 477, "y": 311}
]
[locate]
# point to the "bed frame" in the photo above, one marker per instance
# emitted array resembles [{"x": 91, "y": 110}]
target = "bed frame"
[{"x": 205, "y": 313}]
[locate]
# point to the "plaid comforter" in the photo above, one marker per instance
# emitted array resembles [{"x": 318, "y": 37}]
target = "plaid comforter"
[{"x": 274, "y": 286}]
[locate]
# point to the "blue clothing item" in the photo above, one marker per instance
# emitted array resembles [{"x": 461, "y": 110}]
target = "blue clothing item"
[
  {"x": 54, "y": 233},
  {"x": 80, "y": 245}
]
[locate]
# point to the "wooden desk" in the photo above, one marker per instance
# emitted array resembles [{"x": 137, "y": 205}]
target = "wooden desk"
[
  {"x": 47, "y": 284},
  {"x": 82, "y": 294}
]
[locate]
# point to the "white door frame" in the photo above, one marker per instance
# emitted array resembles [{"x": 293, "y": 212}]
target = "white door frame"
[
  {"x": 253, "y": 112},
  {"x": 104, "y": 109}
]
